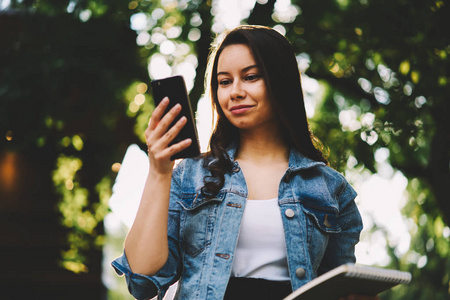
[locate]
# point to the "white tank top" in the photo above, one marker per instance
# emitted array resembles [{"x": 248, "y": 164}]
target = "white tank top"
[{"x": 261, "y": 247}]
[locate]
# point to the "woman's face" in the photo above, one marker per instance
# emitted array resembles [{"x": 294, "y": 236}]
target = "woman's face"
[{"x": 242, "y": 91}]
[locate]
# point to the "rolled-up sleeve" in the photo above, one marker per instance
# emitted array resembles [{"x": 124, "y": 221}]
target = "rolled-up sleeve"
[
  {"x": 140, "y": 286},
  {"x": 148, "y": 287}
]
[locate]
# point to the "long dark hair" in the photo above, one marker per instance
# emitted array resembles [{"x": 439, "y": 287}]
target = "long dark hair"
[{"x": 278, "y": 65}]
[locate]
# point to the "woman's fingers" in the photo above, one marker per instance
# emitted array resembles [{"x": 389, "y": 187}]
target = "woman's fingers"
[
  {"x": 160, "y": 133},
  {"x": 168, "y": 118},
  {"x": 157, "y": 143},
  {"x": 159, "y": 126},
  {"x": 170, "y": 134},
  {"x": 158, "y": 113},
  {"x": 173, "y": 149},
  {"x": 159, "y": 121}
]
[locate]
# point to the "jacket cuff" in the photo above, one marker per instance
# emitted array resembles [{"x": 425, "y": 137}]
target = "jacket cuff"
[{"x": 142, "y": 287}]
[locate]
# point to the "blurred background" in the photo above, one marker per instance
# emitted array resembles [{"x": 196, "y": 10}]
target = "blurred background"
[{"x": 74, "y": 103}]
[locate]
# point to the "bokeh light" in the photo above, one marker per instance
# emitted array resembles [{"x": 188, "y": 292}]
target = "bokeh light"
[
  {"x": 141, "y": 88},
  {"x": 116, "y": 167},
  {"x": 9, "y": 135},
  {"x": 139, "y": 99},
  {"x": 138, "y": 21}
]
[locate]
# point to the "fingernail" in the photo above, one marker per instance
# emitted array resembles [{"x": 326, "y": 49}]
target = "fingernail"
[
  {"x": 165, "y": 100},
  {"x": 177, "y": 106}
]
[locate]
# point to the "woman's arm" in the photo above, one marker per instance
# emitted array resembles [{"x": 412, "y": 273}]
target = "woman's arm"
[
  {"x": 341, "y": 246},
  {"x": 146, "y": 245}
]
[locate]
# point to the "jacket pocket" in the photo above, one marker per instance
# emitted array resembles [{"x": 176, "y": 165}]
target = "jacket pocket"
[
  {"x": 322, "y": 221},
  {"x": 325, "y": 218},
  {"x": 197, "y": 221}
]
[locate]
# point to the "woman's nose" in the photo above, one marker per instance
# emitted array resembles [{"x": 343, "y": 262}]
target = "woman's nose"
[{"x": 237, "y": 91}]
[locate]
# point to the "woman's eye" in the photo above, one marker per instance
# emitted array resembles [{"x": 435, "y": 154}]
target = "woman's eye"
[
  {"x": 252, "y": 77},
  {"x": 224, "y": 82}
]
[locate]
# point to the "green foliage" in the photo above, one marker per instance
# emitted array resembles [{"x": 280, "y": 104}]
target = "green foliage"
[
  {"x": 428, "y": 258},
  {"x": 63, "y": 94},
  {"x": 383, "y": 65}
]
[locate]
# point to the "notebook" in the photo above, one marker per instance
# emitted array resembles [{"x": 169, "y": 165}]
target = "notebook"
[{"x": 350, "y": 279}]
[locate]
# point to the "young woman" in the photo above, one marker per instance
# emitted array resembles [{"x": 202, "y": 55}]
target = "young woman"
[{"x": 260, "y": 214}]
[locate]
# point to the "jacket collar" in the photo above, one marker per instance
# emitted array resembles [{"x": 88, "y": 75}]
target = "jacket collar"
[{"x": 297, "y": 161}]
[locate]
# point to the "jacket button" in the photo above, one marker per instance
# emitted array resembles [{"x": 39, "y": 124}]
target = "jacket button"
[
  {"x": 300, "y": 273},
  {"x": 289, "y": 213}
]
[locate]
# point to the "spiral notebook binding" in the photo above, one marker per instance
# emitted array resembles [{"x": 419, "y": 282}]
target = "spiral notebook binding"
[{"x": 385, "y": 275}]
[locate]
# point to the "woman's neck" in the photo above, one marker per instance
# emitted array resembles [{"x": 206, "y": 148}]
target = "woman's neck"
[{"x": 262, "y": 146}]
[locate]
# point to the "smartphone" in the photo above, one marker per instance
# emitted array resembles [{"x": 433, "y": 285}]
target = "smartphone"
[{"x": 175, "y": 88}]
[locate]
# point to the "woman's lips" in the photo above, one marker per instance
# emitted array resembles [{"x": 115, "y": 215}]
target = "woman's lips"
[{"x": 240, "y": 109}]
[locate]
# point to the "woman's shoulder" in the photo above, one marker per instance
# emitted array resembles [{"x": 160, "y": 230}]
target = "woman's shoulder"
[{"x": 328, "y": 170}]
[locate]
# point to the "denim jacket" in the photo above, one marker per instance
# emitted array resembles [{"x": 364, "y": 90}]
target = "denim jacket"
[{"x": 320, "y": 219}]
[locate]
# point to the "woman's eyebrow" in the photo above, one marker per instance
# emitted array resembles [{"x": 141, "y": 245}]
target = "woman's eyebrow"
[{"x": 243, "y": 70}]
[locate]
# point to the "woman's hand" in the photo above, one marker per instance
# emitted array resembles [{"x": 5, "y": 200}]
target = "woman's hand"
[
  {"x": 359, "y": 297},
  {"x": 158, "y": 136}
]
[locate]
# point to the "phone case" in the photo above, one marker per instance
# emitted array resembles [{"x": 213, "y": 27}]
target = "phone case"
[{"x": 175, "y": 88}]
